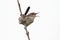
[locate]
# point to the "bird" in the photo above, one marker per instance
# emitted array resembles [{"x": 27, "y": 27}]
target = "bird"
[{"x": 26, "y": 20}]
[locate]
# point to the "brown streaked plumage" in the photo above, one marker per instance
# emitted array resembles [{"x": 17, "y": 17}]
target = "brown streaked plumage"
[{"x": 28, "y": 19}]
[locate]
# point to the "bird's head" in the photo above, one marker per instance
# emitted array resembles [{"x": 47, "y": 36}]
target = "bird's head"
[{"x": 32, "y": 14}]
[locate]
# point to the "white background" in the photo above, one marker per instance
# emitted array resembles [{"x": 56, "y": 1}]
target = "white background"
[{"x": 45, "y": 27}]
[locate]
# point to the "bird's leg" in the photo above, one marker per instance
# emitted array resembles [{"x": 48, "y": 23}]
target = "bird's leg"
[{"x": 27, "y": 33}]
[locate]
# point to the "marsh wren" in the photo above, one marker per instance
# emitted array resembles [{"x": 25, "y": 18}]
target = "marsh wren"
[
  {"x": 24, "y": 18},
  {"x": 27, "y": 19}
]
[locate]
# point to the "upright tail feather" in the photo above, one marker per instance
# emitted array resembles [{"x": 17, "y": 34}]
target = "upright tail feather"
[{"x": 27, "y": 10}]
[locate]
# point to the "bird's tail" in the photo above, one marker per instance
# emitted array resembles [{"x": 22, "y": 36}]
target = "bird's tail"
[{"x": 27, "y": 10}]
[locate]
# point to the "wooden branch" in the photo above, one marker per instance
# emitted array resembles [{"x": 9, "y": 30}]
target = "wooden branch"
[
  {"x": 19, "y": 7},
  {"x": 27, "y": 33}
]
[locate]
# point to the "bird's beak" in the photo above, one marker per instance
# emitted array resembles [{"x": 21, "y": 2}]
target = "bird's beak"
[{"x": 37, "y": 15}]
